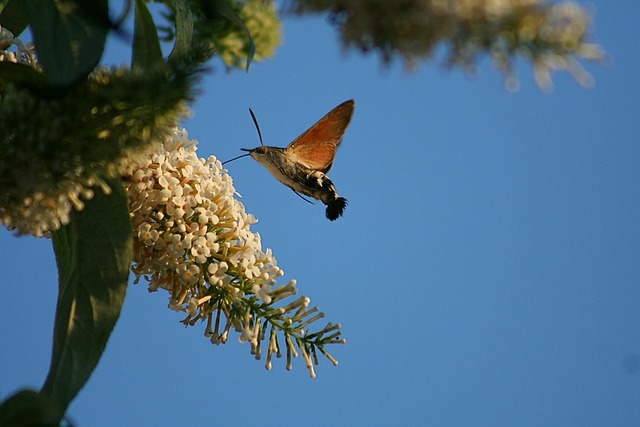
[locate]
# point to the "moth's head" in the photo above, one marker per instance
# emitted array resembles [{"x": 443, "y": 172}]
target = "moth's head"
[{"x": 257, "y": 152}]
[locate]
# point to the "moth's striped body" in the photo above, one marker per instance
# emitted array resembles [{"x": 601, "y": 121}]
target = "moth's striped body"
[{"x": 300, "y": 178}]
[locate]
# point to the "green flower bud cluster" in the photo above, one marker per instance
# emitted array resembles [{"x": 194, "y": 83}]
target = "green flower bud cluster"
[{"x": 57, "y": 144}]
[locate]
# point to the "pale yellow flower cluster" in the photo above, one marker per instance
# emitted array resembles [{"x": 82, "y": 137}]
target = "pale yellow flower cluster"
[
  {"x": 192, "y": 236},
  {"x": 261, "y": 19},
  {"x": 566, "y": 26},
  {"x": 553, "y": 36}
]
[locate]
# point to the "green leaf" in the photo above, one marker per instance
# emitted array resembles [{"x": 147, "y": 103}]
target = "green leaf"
[
  {"x": 146, "y": 46},
  {"x": 11, "y": 18},
  {"x": 69, "y": 36},
  {"x": 93, "y": 254},
  {"x": 184, "y": 30},
  {"x": 227, "y": 11}
]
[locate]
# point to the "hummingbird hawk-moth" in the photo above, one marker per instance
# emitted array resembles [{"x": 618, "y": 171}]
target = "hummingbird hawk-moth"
[{"x": 303, "y": 164}]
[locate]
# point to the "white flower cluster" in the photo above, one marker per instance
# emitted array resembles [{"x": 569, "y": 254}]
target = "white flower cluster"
[
  {"x": 192, "y": 236},
  {"x": 24, "y": 54}
]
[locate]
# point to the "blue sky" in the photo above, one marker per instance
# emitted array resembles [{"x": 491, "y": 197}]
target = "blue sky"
[{"x": 486, "y": 271}]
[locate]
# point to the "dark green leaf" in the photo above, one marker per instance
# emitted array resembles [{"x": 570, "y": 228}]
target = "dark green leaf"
[
  {"x": 11, "y": 18},
  {"x": 93, "y": 254},
  {"x": 69, "y": 36},
  {"x": 146, "y": 46},
  {"x": 184, "y": 30},
  {"x": 28, "y": 408}
]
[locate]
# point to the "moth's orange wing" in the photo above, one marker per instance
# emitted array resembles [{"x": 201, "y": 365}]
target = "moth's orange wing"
[{"x": 316, "y": 147}]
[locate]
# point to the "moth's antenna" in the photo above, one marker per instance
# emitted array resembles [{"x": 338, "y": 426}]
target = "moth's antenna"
[
  {"x": 255, "y": 122},
  {"x": 236, "y": 158}
]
